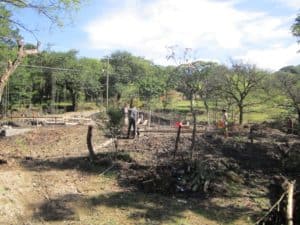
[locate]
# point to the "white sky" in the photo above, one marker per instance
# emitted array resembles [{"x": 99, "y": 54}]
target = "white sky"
[
  {"x": 256, "y": 31},
  {"x": 216, "y": 30}
]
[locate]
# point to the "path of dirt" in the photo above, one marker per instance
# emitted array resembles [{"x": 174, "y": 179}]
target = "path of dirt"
[{"x": 23, "y": 189}]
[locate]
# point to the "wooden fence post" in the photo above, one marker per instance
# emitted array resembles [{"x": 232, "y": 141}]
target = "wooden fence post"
[{"x": 89, "y": 143}]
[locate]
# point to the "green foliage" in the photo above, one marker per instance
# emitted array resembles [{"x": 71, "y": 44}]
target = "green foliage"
[
  {"x": 238, "y": 84},
  {"x": 150, "y": 87},
  {"x": 115, "y": 121},
  {"x": 126, "y": 67},
  {"x": 170, "y": 98},
  {"x": 115, "y": 116},
  {"x": 296, "y": 27},
  {"x": 7, "y": 36},
  {"x": 287, "y": 80},
  {"x": 127, "y": 91},
  {"x": 91, "y": 77},
  {"x": 195, "y": 79},
  {"x": 20, "y": 88},
  {"x": 56, "y": 11}
]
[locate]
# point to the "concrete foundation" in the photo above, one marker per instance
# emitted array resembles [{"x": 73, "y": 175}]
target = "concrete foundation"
[{"x": 9, "y": 131}]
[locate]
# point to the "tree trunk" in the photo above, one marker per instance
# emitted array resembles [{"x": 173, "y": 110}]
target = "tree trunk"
[
  {"x": 194, "y": 134},
  {"x": 241, "y": 112},
  {"x": 298, "y": 110},
  {"x": 11, "y": 67},
  {"x": 215, "y": 111},
  {"x": 177, "y": 139},
  {"x": 74, "y": 101},
  {"x": 194, "y": 126},
  {"x": 53, "y": 94},
  {"x": 207, "y": 111},
  {"x": 89, "y": 136}
]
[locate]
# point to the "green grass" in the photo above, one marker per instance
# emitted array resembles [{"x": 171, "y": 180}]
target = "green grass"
[
  {"x": 257, "y": 113},
  {"x": 21, "y": 144}
]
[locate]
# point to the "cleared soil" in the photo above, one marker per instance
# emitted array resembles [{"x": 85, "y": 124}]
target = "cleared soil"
[{"x": 46, "y": 177}]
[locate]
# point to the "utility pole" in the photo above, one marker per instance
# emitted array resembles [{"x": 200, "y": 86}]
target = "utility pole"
[{"x": 107, "y": 82}]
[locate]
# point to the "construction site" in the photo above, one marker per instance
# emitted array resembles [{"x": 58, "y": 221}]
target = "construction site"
[{"x": 49, "y": 177}]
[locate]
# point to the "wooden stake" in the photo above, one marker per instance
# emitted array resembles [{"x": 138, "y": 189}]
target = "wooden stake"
[
  {"x": 290, "y": 204},
  {"x": 89, "y": 143},
  {"x": 177, "y": 139}
]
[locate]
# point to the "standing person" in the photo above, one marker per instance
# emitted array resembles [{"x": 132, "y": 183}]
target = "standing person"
[
  {"x": 225, "y": 122},
  {"x": 133, "y": 115},
  {"x": 126, "y": 117},
  {"x": 290, "y": 125}
]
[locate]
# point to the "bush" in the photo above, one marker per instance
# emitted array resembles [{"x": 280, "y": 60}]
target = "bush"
[{"x": 115, "y": 121}]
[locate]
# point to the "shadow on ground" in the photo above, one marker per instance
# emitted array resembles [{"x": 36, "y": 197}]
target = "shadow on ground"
[
  {"x": 83, "y": 164},
  {"x": 58, "y": 209},
  {"x": 223, "y": 161},
  {"x": 139, "y": 207}
]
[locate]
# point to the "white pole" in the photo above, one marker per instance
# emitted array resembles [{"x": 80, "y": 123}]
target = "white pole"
[{"x": 107, "y": 83}]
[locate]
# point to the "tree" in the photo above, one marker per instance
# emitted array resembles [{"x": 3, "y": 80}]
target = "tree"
[
  {"x": 193, "y": 76},
  {"x": 152, "y": 82},
  {"x": 71, "y": 78},
  {"x": 150, "y": 87},
  {"x": 134, "y": 76},
  {"x": 238, "y": 83},
  {"x": 171, "y": 81},
  {"x": 296, "y": 28},
  {"x": 92, "y": 73},
  {"x": 124, "y": 68},
  {"x": 54, "y": 10},
  {"x": 13, "y": 65},
  {"x": 121, "y": 74},
  {"x": 19, "y": 91},
  {"x": 194, "y": 83},
  {"x": 288, "y": 81},
  {"x": 60, "y": 78}
]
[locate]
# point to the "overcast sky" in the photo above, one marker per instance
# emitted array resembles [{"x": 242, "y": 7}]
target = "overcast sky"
[{"x": 255, "y": 31}]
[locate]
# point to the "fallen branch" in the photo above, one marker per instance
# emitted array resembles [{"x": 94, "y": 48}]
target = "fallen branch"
[
  {"x": 289, "y": 186},
  {"x": 271, "y": 209},
  {"x": 108, "y": 169},
  {"x": 148, "y": 181}
]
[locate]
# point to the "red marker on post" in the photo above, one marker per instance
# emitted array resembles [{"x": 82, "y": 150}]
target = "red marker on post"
[{"x": 178, "y": 124}]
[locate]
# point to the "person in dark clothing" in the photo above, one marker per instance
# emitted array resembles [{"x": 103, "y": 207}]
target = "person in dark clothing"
[
  {"x": 290, "y": 125},
  {"x": 133, "y": 115},
  {"x": 225, "y": 122}
]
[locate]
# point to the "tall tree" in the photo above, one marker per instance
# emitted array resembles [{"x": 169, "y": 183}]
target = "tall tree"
[
  {"x": 288, "y": 81},
  {"x": 71, "y": 77},
  {"x": 195, "y": 84},
  {"x": 239, "y": 82},
  {"x": 134, "y": 74},
  {"x": 150, "y": 86},
  {"x": 194, "y": 81},
  {"x": 92, "y": 73}
]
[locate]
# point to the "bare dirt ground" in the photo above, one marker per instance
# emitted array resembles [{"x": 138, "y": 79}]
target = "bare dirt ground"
[{"x": 46, "y": 177}]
